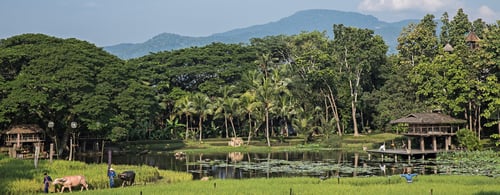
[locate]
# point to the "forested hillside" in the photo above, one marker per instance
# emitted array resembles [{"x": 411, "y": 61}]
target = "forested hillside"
[
  {"x": 307, "y": 82},
  {"x": 307, "y": 20}
]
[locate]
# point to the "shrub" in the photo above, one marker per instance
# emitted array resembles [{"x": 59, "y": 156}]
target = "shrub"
[{"x": 468, "y": 139}]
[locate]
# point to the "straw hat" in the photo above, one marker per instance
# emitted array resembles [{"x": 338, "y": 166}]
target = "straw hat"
[{"x": 111, "y": 169}]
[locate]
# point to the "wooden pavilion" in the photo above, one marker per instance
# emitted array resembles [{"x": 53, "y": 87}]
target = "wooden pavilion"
[
  {"x": 23, "y": 139},
  {"x": 472, "y": 40},
  {"x": 422, "y": 126},
  {"x": 433, "y": 125}
]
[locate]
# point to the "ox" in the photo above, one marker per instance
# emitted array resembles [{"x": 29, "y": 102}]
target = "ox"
[
  {"x": 127, "y": 177},
  {"x": 71, "y": 181}
]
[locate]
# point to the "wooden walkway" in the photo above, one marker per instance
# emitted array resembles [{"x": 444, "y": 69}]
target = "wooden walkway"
[{"x": 406, "y": 153}]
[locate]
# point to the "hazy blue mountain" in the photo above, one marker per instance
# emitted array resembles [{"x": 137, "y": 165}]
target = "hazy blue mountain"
[{"x": 308, "y": 20}]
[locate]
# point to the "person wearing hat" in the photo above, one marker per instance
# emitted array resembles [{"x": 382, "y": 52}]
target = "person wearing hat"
[
  {"x": 111, "y": 175},
  {"x": 46, "y": 182}
]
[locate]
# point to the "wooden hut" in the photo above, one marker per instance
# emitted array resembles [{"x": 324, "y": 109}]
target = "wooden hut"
[
  {"x": 472, "y": 40},
  {"x": 433, "y": 125},
  {"x": 23, "y": 139},
  {"x": 423, "y": 126}
]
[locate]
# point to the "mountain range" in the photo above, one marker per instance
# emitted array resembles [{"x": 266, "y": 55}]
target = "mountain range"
[{"x": 302, "y": 21}]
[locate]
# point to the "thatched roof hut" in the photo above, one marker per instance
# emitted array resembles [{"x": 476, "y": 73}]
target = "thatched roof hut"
[
  {"x": 26, "y": 133},
  {"x": 428, "y": 118},
  {"x": 431, "y": 125}
]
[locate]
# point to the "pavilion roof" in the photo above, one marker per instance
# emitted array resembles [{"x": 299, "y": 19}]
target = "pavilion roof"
[
  {"x": 428, "y": 118},
  {"x": 24, "y": 129},
  {"x": 472, "y": 37}
]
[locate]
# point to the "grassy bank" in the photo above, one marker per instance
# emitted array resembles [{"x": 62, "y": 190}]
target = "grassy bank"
[
  {"x": 303, "y": 185},
  {"x": 21, "y": 176},
  {"x": 220, "y": 145}
]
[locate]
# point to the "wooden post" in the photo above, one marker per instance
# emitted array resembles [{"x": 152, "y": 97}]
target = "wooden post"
[
  {"x": 51, "y": 152},
  {"x": 422, "y": 144},
  {"x": 70, "y": 148},
  {"x": 434, "y": 143},
  {"x": 37, "y": 154},
  {"x": 409, "y": 145},
  {"x": 109, "y": 160}
]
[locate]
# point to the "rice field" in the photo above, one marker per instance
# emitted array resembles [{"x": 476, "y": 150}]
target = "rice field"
[{"x": 435, "y": 184}]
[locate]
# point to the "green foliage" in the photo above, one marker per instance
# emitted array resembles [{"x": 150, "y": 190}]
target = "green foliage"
[
  {"x": 496, "y": 137},
  {"x": 118, "y": 134},
  {"x": 315, "y": 83},
  {"x": 468, "y": 139}
]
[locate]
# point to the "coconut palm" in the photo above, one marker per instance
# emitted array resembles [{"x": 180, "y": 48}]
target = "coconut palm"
[
  {"x": 202, "y": 107},
  {"x": 221, "y": 106},
  {"x": 248, "y": 105},
  {"x": 184, "y": 106}
]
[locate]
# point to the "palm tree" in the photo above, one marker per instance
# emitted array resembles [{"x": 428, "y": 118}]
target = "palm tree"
[
  {"x": 221, "y": 104},
  {"x": 202, "y": 107},
  {"x": 286, "y": 110},
  {"x": 267, "y": 90},
  {"x": 184, "y": 106},
  {"x": 231, "y": 106},
  {"x": 248, "y": 105}
]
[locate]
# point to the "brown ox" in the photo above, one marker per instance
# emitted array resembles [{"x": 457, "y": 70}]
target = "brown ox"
[{"x": 71, "y": 181}]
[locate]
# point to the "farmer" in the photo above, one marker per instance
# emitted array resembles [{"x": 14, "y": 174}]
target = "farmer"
[
  {"x": 46, "y": 182},
  {"x": 409, "y": 177},
  {"x": 111, "y": 175}
]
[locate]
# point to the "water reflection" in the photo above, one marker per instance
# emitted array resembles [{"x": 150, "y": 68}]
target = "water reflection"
[{"x": 237, "y": 165}]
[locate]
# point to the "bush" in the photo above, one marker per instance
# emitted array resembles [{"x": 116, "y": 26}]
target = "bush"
[{"x": 468, "y": 139}]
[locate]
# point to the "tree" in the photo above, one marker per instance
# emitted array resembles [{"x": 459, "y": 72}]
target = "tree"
[
  {"x": 64, "y": 81},
  {"x": 418, "y": 43},
  {"x": 357, "y": 53},
  {"x": 202, "y": 107},
  {"x": 248, "y": 106},
  {"x": 184, "y": 106},
  {"x": 488, "y": 64}
]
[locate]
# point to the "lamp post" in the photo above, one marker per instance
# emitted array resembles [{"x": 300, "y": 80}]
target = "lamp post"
[
  {"x": 51, "y": 152},
  {"x": 74, "y": 125}
]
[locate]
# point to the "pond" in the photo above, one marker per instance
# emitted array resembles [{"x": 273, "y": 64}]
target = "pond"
[{"x": 239, "y": 165}]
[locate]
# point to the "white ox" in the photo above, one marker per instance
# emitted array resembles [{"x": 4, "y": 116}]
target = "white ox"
[{"x": 71, "y": 181}]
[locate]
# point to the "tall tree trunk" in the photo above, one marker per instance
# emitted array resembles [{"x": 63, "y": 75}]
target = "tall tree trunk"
[
  {"x": 249, "y": 128},
  {"x": 187, "y": 127},
  {"x": 479, "y": 129},
  {"x": 199, "y": 127},
  {"x": 354, "y": 121},
  {"x": 354, "y": 100},
  {"x": 225, "y": 125},
  {"x": 331, "y": 98},
  {"x": 267, "y": 126},
  {"x": 232, "y": 125}
]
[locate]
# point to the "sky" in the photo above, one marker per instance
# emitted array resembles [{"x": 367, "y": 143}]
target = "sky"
[{"x": 110, "y": 22}]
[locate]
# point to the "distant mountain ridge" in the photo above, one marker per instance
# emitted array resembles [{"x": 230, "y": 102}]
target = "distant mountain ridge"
[{"x": 307, "y": 20}]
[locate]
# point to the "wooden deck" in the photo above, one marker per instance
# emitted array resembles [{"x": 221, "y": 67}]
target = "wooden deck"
[
  {"x": 405, "y": 152},
  {"x": 416, "y": 153}
]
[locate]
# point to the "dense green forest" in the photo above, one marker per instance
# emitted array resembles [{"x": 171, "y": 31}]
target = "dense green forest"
[{"x": 273, "y": 86}]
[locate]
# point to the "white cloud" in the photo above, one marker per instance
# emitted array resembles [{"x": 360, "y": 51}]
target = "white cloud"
[
  {"x": 401, "y": 5},
  {"x": 487, "y": 14}
]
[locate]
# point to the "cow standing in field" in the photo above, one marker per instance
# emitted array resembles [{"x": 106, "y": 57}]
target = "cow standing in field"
[
  {"x": 71, "y": 181},
  {"x": 127, "y": 177}
]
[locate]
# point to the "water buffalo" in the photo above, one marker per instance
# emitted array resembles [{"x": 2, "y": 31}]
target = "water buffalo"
[
  {"x": 127, "y": 177},
  {"x": 71, "y": 181}
]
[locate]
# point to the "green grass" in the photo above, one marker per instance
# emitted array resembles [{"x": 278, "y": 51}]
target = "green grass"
[
  {"x": 21, "y": 176},
  {"x": 305, "y": 185}
]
